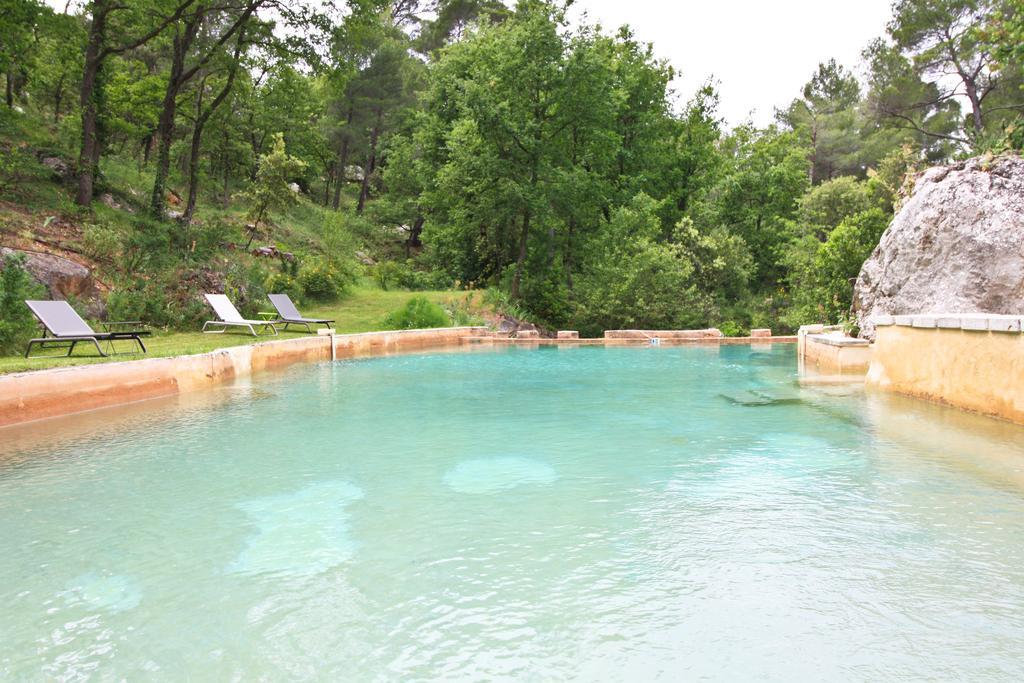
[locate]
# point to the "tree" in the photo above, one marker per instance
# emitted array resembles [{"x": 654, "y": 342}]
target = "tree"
[
  {"x": 453, "y": 18},
  {"x": 271, "y": 191},
  {"x": 17, "y": 25},
  {"x": 114, "y": 29},
  {"x": 828, "y": 117},
  {"x": 58, "y": 60},
  {"x": 188, "y": 57},
  {"x": 822, "y": 273},
  {"x": 202, "y": 115},
  {"x": 1004, "y": 32},
  {"x": 757, "y": 197},
  {"x": 941, "y": 38}
]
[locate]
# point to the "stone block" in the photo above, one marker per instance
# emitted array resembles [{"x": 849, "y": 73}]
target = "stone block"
[
  {"x": 761, "y": 332},
  {"x": 1004, "y": 323},
  {"x": 926, "y": 321},
  {"x": 974, "y": 322},
  {"x": 527, "y": 334},
  {"x": 568, "y": 334},
  {"x": 903, "y": 320},
  {"x": 882, "y": 320}
]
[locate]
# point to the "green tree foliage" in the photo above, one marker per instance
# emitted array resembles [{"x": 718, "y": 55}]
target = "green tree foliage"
[
  {"x": 271, "y": 189},
  {"x": 821, "y": 274},
  {"x": 824, "y": 207},
  {"x": 18, "y": 20},
  {"x": 494, "y": 144},
  {"x": 829, "y": 121},
  {"x": 940, "y": 38},
  {"x": 17, "y": 325}
]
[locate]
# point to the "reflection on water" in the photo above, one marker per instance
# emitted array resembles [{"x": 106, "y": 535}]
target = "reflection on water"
[{"x": 621, "y": 513}]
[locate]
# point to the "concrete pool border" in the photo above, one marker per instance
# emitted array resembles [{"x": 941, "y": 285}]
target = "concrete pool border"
[{"x": 41, "y": 394}]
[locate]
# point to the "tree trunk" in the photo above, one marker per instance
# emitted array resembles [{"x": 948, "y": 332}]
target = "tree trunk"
[
  {"x": 521, "y": 258},
  {"x": 179, "y": 77},
  {"x": 9, "y": 92},
  {"x": 414, "y": 235},
  {"x": 95, "y": 52},
  {"x": 327, "y": 184},
  {"x": 168, "y": 111},
  {"x": 371, "y": 162},
  {"x": 89, "y": 153},
  {"x": 202, "y": 116},
  {"x": 342, "y": 162},
  {"x": 971, "y": 87},
  {"x": 58, "y": 99},
  {"x": 568, "y": 253}
]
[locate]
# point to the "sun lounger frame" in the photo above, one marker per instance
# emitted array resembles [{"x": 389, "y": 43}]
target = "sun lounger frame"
[
  {"x": 53, "y": 339},
  {"x": 282, "y": 302},
  {"x": 221, "y": 305}
]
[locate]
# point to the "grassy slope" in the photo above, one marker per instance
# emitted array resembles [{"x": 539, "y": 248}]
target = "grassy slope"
[
  {"x": 363, "y": 311},
  {"x": 30, "y": 200}
]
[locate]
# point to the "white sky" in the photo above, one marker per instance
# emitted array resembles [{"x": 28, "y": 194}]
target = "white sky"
[{"x": 759, "y": 52}]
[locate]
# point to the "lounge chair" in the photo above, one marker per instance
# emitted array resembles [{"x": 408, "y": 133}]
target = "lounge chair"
[
  {"x": 62, "y": 325},
  {"x": 230, "y": 317},
  {"x": 289, "y": 315}
]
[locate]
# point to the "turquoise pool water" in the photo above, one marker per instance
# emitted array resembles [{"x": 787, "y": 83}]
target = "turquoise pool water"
[{"x": 625, "y": 513}]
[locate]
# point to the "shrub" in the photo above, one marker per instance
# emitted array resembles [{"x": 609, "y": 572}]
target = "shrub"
[
  {"x": 17, "y": 325},
  {"x": 418, "y": 313},
  {"x": 146, "y": 302},
  {"x": 284, "y": 283},
  {"x": 245, "y": 286},
  {"x": 385, "y": 274},
  {"x": 102, "y": 242},
  {"x": 395, "y": 274},
  {"x": 731, "y": 328},
  {"x": 320, "y": 281}
]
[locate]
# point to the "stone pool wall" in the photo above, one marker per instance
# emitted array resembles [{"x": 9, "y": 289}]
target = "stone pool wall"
[
  {"x": 41, "y": 394},
  {"x": 828, "y": 350},
  {"x": 970, "y": 361}
]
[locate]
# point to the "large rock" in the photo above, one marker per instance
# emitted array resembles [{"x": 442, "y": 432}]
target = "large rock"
[
  {"x": 956, "y": 245},
  {"x": 61, "y": 277}
]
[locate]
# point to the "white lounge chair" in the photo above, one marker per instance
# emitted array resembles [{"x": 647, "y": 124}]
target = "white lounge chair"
[
  {"x": 230, "y": 317},
  {"x": 289, "y": 314}
]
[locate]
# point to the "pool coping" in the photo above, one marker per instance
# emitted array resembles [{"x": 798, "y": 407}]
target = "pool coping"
[
  {"x": 42, "y": 394},
  {"x": 35, "y": 395}
]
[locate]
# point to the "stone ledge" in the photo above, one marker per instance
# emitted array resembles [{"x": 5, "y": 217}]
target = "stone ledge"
[
  {"x": 709, "y": 333},
  {"x": 45, "y": 393},
  {"x": 837, "y": 340},
  {"x": 974, "y": 322}
]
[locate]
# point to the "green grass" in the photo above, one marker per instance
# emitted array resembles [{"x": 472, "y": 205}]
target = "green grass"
[{"x": 363, "y": 311}]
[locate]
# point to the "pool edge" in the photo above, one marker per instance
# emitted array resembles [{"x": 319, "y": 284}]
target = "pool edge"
[{"x": 42, "y": 394}]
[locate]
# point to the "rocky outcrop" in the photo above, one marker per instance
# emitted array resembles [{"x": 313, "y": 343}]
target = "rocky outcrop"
[
  {"x": 955, "y": 246},
  {"x": 62, "y": 277}
]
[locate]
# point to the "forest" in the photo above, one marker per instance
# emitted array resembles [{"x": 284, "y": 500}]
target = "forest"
[{"x": 275, "y": 145}]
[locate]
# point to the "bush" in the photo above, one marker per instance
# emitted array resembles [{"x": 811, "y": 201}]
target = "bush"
[
  {"x": 418, "y": 313},
  {"x": 283, "y": 283},
  {"x": 320, "y": 281},
  {"x": 102, "y": 242},
  {"x": 17, "y": 324},
  {"x": 394, "y": 274},
  {"x": 144, "y": 303}
]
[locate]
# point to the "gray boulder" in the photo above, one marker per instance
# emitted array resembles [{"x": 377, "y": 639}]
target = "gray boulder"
[
  {"x": 956, "y": 245},
  {"x": 61, "y": 169},
  {"x": 354, "y": 174},
  {"x": 62, "y": 277}
]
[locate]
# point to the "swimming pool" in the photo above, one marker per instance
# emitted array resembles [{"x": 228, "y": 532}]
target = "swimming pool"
[{"x": 623, "y": 513}]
